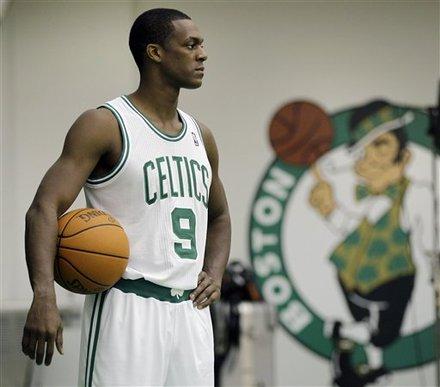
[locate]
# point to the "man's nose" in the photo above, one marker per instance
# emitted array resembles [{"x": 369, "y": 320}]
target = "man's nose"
[{"x": 202, "y": 55}]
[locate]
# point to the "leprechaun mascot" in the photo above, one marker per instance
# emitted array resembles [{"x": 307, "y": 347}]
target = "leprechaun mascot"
[{"x": 373, "y": 259}]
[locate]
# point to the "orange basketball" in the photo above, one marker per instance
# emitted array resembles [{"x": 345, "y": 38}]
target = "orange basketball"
[
  {"x": 300, "y": 132},
  {"x": 92, "y": 251}
]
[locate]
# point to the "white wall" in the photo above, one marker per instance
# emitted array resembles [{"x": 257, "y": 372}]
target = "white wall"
[
  {"x": 59, "y": 59},
  {"x": 338, "y": 54}
]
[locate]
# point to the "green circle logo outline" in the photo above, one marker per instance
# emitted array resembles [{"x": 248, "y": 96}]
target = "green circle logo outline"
[{"x": 297, "y": 318}]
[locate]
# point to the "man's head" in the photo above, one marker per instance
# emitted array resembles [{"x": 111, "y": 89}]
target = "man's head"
[
  {"x": 168, "y": 39},
  {"x": 379, "y": 129}
]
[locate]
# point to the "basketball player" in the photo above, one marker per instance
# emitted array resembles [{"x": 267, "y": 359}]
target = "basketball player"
[{"x": 155, "y": 168}]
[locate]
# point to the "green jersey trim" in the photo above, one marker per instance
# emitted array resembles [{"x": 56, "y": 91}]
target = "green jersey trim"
[
  {"x": 125, "y": 148},
  {"x": 146, "y": 289},
  {"x": 162, "y": 135}
]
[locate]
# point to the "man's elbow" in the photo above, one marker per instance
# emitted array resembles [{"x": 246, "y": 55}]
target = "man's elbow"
[
  {"x": 222, "y": 218},
  {"x": 40, "y": 209}
]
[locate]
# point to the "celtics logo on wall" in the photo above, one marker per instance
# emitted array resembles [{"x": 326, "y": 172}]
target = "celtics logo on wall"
[{"x": 341, "y": 236}]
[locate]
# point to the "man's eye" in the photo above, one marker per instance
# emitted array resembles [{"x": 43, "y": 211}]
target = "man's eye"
[{"x": 190, "y": 46}]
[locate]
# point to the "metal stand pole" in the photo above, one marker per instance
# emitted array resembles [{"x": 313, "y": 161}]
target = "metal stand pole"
[
  {"x": 434, "y": 116},
  {"x": 436, "y": 263}
]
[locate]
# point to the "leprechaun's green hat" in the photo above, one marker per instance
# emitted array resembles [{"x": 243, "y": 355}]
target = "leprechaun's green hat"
[{"x": 376, "y": 118}]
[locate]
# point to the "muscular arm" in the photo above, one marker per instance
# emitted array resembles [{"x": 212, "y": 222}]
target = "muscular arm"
[
  {"x": 218, "y": 238},
  {"x": 87, "y": 141}
]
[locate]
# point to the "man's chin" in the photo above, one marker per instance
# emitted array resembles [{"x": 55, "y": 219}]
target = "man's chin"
[{"x": 193, "y": 85}]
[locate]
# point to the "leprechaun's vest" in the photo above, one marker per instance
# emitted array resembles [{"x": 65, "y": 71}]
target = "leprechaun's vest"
[{"x": 375, "y": 254}]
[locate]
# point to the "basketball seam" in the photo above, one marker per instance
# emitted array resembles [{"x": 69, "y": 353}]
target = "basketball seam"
[
  {"x": 285, "y": 123},
  {"x": 64, "y": 259},
  {"x": 73, "y": 215},
  {"x": 93, "y": 252},
  {"x": 98, "y": 225},
  {"x": 303, "y": 138},
  {"x": 302, "y": 142},
  {"x": 57, "y": 268},
  {"x": 56, "y": 261}
]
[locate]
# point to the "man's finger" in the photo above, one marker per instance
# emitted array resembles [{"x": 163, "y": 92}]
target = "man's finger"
[
  {"x": 49, "y": 351},
  {"x": 25, "y": 341},
  {"x": 41, "y": 343},
  {"x": 200, "y": 288},
  {"x": 196, "y": 292},
  {"x": 201, "y": 277},
  {"x": 32, "y": 345},
  {"x": 205, "y": 294},
  {"x": 210, "y": 300},
  {"x": 59, "y": 341}
]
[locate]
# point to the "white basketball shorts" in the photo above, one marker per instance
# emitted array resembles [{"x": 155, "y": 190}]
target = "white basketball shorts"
[{"x": 142, "y": 334}]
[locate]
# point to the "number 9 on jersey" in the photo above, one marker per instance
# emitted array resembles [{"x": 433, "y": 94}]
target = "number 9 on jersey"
[{"x": 184, "y": 227}]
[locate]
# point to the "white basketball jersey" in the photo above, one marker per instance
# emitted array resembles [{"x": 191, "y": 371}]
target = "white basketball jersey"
[{"x": 159, "y": 192}]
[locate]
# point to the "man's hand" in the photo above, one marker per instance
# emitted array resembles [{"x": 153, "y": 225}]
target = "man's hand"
[
  {"x": 207, "y": 291},
  {"x": 42, "y": 331}
]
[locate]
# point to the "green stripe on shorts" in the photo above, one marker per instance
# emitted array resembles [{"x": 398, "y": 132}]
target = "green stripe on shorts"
[
  {"x": 95, "y": 339},
  {"x": 143, "y": 288},
  {"x": 90, "y": 337}
]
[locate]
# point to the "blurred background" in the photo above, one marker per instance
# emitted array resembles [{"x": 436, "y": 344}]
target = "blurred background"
[{"x": 61, "y": 58}]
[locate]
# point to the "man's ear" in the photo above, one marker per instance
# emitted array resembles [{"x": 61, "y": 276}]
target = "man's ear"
[{"x": 154, "y": 52}]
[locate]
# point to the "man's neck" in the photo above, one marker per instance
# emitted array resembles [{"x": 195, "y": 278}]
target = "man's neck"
[{"x": 157, "y": 98}]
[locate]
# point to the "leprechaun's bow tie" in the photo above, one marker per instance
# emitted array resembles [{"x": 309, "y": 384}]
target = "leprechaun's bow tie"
[{"x": 362, "y": 191}]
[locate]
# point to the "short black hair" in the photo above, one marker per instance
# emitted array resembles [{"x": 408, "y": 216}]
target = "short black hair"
[
  {"x": 372, "y": 107},
  {"x": 152, "y": 26}
]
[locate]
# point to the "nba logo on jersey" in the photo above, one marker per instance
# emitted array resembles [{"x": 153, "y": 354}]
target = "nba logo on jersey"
[{"x": 196, "y": 142}]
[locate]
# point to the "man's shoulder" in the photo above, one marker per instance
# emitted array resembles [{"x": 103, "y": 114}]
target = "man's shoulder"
[
  {"x": 95, "y": 127},
  {"x": 96, "y": 122},
  {"x": 99, "y": 117}
]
